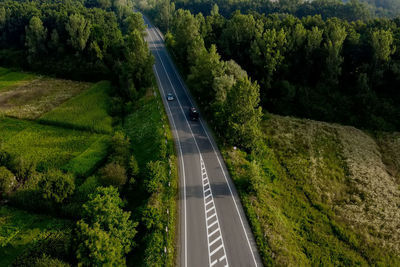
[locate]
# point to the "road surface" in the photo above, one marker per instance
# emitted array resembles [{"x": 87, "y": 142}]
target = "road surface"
[{"x": 213, "y": 229}]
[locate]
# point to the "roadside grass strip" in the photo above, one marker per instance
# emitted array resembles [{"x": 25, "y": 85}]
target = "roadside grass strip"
[
  {"x": 11, "y": 79},
  {"x": 48, "y": 146},
  {"x": 86, "y": 111},
  {"x": 19, "y": 230}
]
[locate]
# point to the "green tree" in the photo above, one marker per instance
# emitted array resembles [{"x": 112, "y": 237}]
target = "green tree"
[
  {"x": 3, "y": 18},
  {"x": 382, "y": 45},
  {"x": 113, "y": 174},
  {"x": 120, "y": 148},
  {"x": 207, "y": 66},
  {"x": 156, "y": 176},
  {"x": 105, "y": 234},
  {"x": 57, "y": 186},
  {"x": 267, "y": 53},
  {"x": 243, "y": 114},
  {"x": 335, "y": 36},
  {"x": 7, "y": 180},
  {"x": 78, "y": 29},
  {"x": 36, "y": 35}
]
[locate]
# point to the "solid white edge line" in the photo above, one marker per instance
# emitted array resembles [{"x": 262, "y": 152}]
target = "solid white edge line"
[
  {"x": 223, "y": 172},
  {"x": 190, "y": 128},
  {"x": 161, "y": 88}
]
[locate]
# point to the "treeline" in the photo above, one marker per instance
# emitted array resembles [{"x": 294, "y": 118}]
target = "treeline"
[
  {"x": 351, "y": 10},
  {"x": 331, "y": 70},
  {"x": 81, "y": 40}
]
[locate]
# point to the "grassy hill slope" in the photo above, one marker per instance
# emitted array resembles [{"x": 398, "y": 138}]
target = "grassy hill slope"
[{"x": 321, "y": 194}]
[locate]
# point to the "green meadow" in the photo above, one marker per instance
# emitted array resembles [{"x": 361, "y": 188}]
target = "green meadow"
[
  {"x": 13, "y": 79},
  {"x": 86, "y": 111}
]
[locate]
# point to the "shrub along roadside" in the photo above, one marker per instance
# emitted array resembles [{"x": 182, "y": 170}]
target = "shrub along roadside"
[{"x": 157, "y": 182}]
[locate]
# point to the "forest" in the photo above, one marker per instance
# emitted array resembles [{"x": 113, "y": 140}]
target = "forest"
[
  {"x": 87, "y": 165},
  {"x": 325, "y": 69}
]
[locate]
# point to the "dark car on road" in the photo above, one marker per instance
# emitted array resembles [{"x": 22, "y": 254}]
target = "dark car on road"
[{"x": 193, "y": 114}]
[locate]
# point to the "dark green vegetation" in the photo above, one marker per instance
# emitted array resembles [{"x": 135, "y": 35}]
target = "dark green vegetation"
[
  {"x": 331, "y": 70},
  {"x": 70, "y": 40},
  {"x": 156, "y": 182},
  {"x": 23, "y": 231},
  {"x": 73, "y": 159},
  {"x": 347, "y": 9}
]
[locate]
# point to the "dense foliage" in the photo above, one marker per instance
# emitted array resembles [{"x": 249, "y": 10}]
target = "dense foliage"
[
  {"x": 106, "y": 232},
  {"x": 347, "y": 9},
  {"x": 68, "y": 39},
  {"x": 331, "y": 70}
]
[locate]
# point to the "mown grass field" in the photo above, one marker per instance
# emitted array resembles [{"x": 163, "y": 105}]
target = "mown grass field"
[
  {"x": 48, "y": 146},
  {"x": 19, "y": 230},
  {"x": 319, "y": 195},
  {"x": 35, "y": 98},
  {"x": 86, "y": 111}
]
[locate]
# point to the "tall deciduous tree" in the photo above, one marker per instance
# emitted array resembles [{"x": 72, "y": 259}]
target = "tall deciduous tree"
[
  {"x": 36, "y": 35},
  {"x": 79, "y": 30},
  {"x": 105, "y": 234},
  {"x": 243, "y": 114},
  {"x": 382, "y": 45}
]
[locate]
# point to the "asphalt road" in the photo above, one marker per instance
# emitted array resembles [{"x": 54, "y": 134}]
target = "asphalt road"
[{"x": 213, "y": 229}]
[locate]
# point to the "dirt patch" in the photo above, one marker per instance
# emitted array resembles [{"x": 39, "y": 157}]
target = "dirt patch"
[{"x": 31, "y": 100}]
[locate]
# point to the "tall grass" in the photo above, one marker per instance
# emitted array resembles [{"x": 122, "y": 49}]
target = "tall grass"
[
  {"x": 49, "y": 146},
  {"x": 87, "y": 162},
  {"x": 20, "y": 230},
  {"x": 86, "y": 111},
  {"x": 14, "y": 78},
  {"x": 293, "y": 194}
]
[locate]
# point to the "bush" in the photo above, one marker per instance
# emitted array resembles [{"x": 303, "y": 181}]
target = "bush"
[
  {"x": 7, "y": 180},
  {"x": 105, "y": 234},
  {"x": 46, "y": 261},
  {"x": 113, "y": 174},
  {"x": 133, "y": 169},
  {"x": 157, "y": 175},
  {"x": 120, "y": 145},
  {"x": 6, "y": 159},
  {"x": 23, "y": 168},
  {"x": 57, "y": 186}
]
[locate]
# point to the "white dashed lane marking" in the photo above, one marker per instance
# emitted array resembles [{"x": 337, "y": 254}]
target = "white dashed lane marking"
[{"x": 216, "y": 248}]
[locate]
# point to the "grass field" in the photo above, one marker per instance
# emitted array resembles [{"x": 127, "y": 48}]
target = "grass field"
[
  {"x": 84, "y": 164},
  {"x": 33, "y": 99},
  {"x": 13, "y": 79},
  {"x": 49, "y": 146},
  {"x": 19, "y": 230},
  {"x": 320, "y": 195},
  {"x": 86, "y": 111},
  {"x": 3, "y": 71}
]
